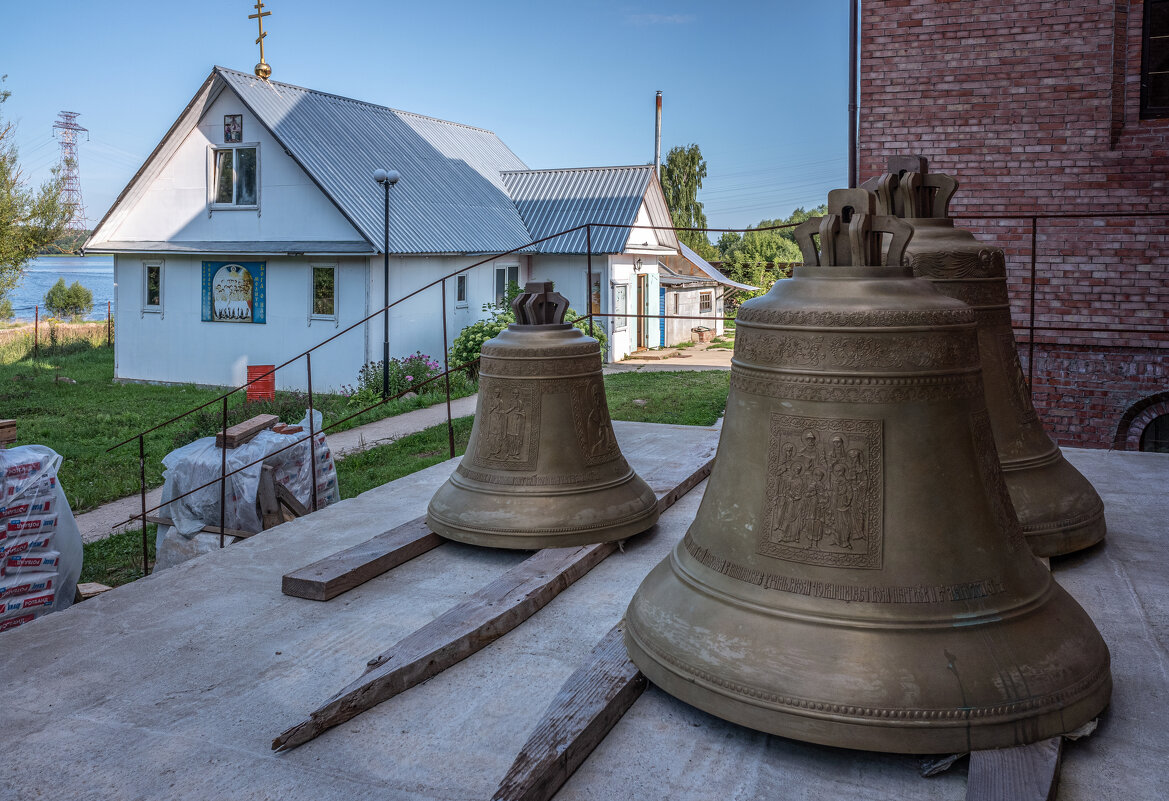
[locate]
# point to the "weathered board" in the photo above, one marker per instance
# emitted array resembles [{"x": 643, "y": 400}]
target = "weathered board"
[
  {"x": 243, "y": 432},
  {"x": 230, "y": 532},
  {"x": 1026, "y": 773},
  {"x": 475, "y": 623},
  {"x": 588, "y": 705},
  {"x": 327, "y": 578},
  {"x": 342, "y": 571}
]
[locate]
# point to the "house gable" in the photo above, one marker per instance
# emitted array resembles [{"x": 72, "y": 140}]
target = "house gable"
[{"x": 167, "y": 203}]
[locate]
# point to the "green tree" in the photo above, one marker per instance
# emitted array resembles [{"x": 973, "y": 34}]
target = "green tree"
[
  {"x": 29, "y": 219},
  {"x": 761, "y": 257},
  {"x": 681, "y": 177},
  {"x": 70, "y": 302}
]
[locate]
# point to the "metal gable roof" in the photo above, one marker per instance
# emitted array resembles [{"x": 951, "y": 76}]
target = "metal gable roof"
[
  {"x": 451, "y": 198},
  {"x": 551, "y": 201}
]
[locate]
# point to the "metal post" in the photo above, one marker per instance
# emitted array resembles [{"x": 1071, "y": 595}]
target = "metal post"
[
  {"x": 223, "y": 477},
  {"x": 312, "y": 434},
  {"x": 446, "y": 367},
  {"x": 36, "y": 327},
  {"x": 142, "y": 494},
  {"x": 109, "y": 329},
  {"x": 589, "y": 262},
  {"x": 852, "y": 82},
  {"x": 1031, "y": 322},
  {"x": 386, "y": 302}
]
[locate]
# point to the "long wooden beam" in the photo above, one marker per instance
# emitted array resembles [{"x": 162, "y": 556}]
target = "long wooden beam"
[
  {"x": 1026, "y": 773},
  {"x": 344, "y": 570},
  {"x": 470, "y": 626},
  {"x": 588, "y": 705}
]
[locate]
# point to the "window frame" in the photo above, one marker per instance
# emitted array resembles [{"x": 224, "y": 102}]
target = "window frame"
[
  {"x": 1147, "y": 111},
  {"x": 212, "y": 150},
  {"x": 312, "y": 314},
  {"x": 706, "y": 301},
  {"x": 461, "y": 291},
  {"x": 620, "y": 315},
  {"x": 506, "y": 269},
  {"x": 147, "y": 307}
]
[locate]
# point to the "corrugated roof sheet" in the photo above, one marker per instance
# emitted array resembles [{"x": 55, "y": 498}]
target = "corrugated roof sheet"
[
  {"x": 451, "y": 198},
  {"x": 308, "y": 247},
  {"x": 551, "y": 201},
  {"x": 710, "y": 270}
]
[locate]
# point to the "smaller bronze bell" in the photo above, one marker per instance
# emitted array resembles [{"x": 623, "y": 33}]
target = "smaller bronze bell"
[
  {"x": 543, "y": 468},
  {"x": 1059, "y": 509}
]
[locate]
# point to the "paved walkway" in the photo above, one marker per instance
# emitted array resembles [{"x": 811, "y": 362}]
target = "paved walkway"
[
  {"x": 699, "y": 357},
  {"x": 105, "y": 520}
]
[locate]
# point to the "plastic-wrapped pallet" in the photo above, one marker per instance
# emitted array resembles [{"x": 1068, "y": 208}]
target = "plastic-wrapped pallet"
[
  {"x": 200, "y": 462},
  {"x": 40, "y": 546}
]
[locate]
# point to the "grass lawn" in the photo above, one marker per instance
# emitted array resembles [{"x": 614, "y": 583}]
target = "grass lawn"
[
  {"x": 81, "y": 420},
  {"x": 687, "y": 397}
]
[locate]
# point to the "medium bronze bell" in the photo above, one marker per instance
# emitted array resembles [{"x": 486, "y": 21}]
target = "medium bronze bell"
[
  {"x": 1059, "y": 509},
  {"x": 542, "y": 468},
  {"x": 855, "y": 575}
]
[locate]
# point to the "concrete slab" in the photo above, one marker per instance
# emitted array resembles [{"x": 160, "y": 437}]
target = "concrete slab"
[{"x": 174, "y": 686}]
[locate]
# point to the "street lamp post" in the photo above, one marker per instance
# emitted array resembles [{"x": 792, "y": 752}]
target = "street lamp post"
[{"x": 386, "y": 178}]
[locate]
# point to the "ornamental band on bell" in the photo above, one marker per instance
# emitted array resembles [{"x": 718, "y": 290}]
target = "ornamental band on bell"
[{"x": 825, "y": 503}]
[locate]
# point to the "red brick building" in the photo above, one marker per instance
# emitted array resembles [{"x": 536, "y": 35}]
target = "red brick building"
[{"x": 1036, "y": 107}]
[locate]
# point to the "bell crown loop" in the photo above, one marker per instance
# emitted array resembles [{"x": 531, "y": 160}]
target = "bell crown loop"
[
  {"x": 850, "y": 234},
  {"x": 539, "y": 305},
  {"x": 910, "y": 191}
]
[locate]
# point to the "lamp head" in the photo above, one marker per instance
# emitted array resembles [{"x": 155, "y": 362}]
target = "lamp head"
[{"x": 386, "y": 176}]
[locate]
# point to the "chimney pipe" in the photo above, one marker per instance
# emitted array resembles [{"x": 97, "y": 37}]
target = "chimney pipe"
[{"x": 658, "y": 137}]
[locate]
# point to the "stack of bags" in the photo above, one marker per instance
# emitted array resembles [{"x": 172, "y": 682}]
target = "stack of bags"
[{"x": 39, "y": 561}]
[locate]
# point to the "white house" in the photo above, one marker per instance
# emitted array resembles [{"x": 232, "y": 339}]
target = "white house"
[{"x": 255, "y": 230}]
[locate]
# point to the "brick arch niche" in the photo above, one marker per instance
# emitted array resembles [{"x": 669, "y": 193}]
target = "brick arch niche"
[{"x": 1138, "y": 416}]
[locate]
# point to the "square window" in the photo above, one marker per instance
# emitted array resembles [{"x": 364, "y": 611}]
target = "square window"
[
  {"x": 460, "y": 290},
  {"x": 152, "y": 286},
  {"x": 235, "y": 179},
  {"x": 324, "y": 300},
  {"x": 705, "y": 302}
]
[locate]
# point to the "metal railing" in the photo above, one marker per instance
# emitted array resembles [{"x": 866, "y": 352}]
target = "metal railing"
[
  {"x": 224, "y": 398},
  {"x": 1030, "y": 327}
]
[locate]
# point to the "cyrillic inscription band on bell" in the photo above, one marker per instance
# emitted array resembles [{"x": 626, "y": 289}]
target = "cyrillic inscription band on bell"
[
  {"x": 543, "y": 468},
  {"x": 1058, "y": 508},
  {"x": 856, "y": 574}
]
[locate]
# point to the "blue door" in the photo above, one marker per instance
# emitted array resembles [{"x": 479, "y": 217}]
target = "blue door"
[{"x": 662, "y": 306}]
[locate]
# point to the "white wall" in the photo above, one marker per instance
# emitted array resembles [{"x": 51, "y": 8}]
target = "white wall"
[
  {"x": 174, "y": 206},
  {"x": 688, "y": 306},
  {"x": 177, "y": 346}
]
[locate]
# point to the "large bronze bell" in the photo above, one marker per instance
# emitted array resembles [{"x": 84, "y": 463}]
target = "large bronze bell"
[
  {"x": 1059, "y": 509},
  {"x": 855, "y": 575},
  {"x": 542, "y": 468}
]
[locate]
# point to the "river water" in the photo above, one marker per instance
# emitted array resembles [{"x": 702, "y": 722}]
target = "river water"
[{"x": 96, "y": 273}]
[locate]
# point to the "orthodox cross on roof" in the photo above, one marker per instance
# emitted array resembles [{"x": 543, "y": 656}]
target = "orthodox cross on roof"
[{"x": 262, "y": 69}]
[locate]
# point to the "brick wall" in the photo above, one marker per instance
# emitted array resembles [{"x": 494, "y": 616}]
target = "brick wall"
[{"x": 1034, "y": 108}]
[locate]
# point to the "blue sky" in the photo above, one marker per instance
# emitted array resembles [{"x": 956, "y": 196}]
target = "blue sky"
[{"x": 760, "y": 87}]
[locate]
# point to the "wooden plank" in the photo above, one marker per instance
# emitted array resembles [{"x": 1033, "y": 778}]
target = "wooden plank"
[
  {"x": 230, "y": 532},
  {"x": 468, "y": 627},
  {"x": 342, "y": 571},
  {"x": 1026, "y": 773},
  {"x": 243, "y": 432},
  {"x": 588, "y": 705},
  {"x": 327, "y": 578},
  {"x": 453, "y": 636},
  {"x": 270, "y": 516}
]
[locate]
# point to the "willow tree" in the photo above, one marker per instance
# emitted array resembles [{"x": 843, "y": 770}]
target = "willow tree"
[
  {"x": 682, "y": 174},
  {"x": 29, "y": 219}
]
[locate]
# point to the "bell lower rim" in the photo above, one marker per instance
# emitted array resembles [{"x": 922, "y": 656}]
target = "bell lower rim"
[
  {"x": 997, "y": 684},
  {"x": 889, "y": 730},
  {"x": 537, "y": 539},
  {"x": 1066, "y": 536}
]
